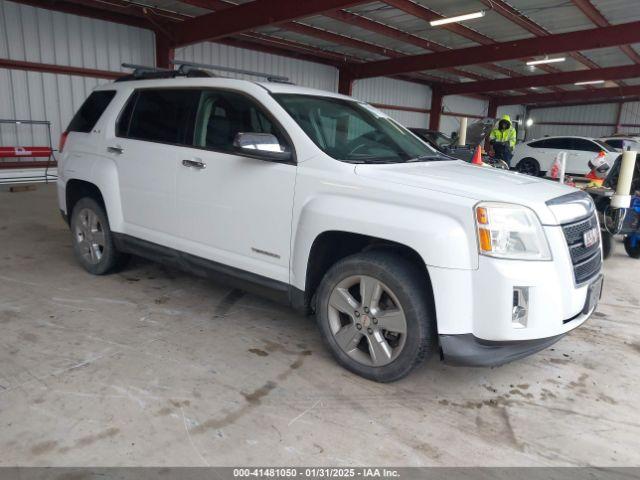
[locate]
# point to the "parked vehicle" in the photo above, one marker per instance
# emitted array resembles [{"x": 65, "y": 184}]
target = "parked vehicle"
[
  {"x": 448, "y": 145},
  {"x": 535, "y": 157},
  {"x": 619, "y": 143},
  {"x": 328, "y": 205}
]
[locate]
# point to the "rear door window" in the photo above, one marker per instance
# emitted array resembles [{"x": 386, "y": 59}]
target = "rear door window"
[
  {"x": 160, "y": 115},
  {"x": 90, "y": 112},
  {"x": 584, "y": 145}
]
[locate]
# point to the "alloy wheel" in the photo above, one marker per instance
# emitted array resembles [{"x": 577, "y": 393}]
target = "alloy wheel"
[
  {"x": 367, "y": 320},
  {"x": 89, "y": 236}
]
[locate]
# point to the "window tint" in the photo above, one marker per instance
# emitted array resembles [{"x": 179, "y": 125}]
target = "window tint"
[
  {"x": 538, "y": 144},
  {"x": 559, "y": 143},
  {"x": 222, "y": 115},
  {"x": 584, "y": 145},
  {"x": 90, "y": 111},
  {"x": 165, "y": 116},
  {"x": 614, "y": 143}
]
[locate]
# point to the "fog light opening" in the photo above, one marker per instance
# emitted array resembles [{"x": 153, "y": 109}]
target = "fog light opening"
[{"x": 520, "y": 308}]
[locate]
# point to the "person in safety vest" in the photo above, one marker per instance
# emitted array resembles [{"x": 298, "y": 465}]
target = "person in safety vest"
[{"x": 503, "y": 139}]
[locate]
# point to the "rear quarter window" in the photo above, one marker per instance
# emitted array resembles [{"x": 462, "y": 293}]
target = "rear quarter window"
[{"x": 90, "y": 112}]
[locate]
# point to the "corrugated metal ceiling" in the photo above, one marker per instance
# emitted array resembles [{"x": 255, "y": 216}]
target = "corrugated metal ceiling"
[{"x": 555, "y": 16}]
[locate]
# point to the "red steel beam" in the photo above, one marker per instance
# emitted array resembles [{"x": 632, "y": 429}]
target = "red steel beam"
[
  {"x": 558, "y": 43},
  {"x": 426, "y": 14},
  {"x": 581, "y": 103},
  {"x": 436, "y": 109},
  {"x": 59, "y": 69},
  {"x": 397, "y": 34},
  {"x": 91, "y": 12},
  {"x": 510, "y": 13},
  {"x": 339, "y": 39},
  {"x": 598, "y": 19},
  {"x": 613, "y": 93},
  {"x": 250, "y": 16},
  {"x": 546, "y": 80}
]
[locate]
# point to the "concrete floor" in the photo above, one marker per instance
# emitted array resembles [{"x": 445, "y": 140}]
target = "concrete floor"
[{"x": 156, "y": 367}]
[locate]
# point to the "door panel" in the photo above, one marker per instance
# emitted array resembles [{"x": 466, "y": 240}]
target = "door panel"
[
  {"x": 233, "y": 209},
  {"x": 153, "y": 126}
]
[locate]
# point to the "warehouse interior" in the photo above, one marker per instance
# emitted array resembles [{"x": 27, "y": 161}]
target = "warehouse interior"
[{"x": 154, "y": 366}]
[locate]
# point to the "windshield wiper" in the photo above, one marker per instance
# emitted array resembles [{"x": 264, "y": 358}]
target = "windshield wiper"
[{"x": 426, "y": 158}]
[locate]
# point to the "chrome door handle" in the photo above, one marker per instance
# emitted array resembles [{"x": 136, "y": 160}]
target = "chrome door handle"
[
  {"x": 194, "y": 164},
  {"x": 116, "y": 150}
]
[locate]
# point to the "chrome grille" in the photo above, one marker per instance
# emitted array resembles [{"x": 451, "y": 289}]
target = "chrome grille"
[{"x": 586, "y": 261}]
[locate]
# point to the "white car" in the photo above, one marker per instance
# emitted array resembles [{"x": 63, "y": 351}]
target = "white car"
[
  {"x": 620, "y": 143},
  {"x": 536, "y": 157},
  {"x": 323, "y": 202}
]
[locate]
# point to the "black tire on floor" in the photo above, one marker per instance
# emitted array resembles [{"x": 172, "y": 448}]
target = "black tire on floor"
[
  {"x": 105, "y": 258},
  {"x": 633, "y": 252},
  {"x": 411, "y": 288},
  {"x": 529, "y": 166},
  {"x": 607, "y": 240}
]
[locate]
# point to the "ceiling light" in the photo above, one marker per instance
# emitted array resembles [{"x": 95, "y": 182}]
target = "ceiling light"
[
  {"x": 546, "y": 60},
  {"x": 458, "y": 18},
  {"x": 590, "y": 82}
]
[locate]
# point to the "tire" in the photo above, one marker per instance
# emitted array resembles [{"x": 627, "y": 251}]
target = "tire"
[
  {"x": 607, "y": 240},
  {"x": 92, "y": 239},
  {"x": 633, "y": 252},
  {"x": 529, "y": 166},
  {"x": 404, "y": 305}
]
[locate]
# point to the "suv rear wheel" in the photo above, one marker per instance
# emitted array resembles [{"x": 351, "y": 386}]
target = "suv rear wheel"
[
  {"x": 92, "y": 239},
  {"x": 375, "y": 315}
]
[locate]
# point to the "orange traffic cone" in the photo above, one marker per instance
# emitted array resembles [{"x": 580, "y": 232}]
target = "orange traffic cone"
[{"x": 477, "y": 157}]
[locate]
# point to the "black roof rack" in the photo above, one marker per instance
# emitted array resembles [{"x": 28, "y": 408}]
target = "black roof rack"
[
  {"x": 190, "y": 70},
  {"x": 143, "y": 72},
  {"x": 188, "y": 66}
]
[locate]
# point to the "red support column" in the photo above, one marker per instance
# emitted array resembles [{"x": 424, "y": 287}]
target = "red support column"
[
  {"x": 492, "y": 110},
  {"x": 619, "y": 118},
  {"x": 164, "y": 51},
  {"x": 436, "y": 108},
  {"x": 345, "y": 82}
]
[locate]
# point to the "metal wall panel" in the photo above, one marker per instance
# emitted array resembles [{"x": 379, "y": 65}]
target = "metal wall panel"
[
  {"x": 389, "y": 91},
  {"x": 300, "y": 72},
  {"x": 630, "y": 115},
  {"x": 460, "y": 104},
  {"x": 599, "y": 113},
  {"x": 44, "y": 36}
]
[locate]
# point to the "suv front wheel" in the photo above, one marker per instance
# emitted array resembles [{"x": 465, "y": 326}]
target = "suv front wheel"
[
  {"x": 92, "y": 239},
  {"x": 374, "y": 312}
]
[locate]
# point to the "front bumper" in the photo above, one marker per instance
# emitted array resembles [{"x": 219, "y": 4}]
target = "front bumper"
[
  {"x": 480, "y": 302},
  {"x": 467, "y": 350}
]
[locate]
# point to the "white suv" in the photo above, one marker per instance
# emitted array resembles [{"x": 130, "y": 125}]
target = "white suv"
[{"x": 327, "y": 204}]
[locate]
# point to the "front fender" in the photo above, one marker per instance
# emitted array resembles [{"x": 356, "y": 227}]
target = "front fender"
[{"x": 441, "y": 238}]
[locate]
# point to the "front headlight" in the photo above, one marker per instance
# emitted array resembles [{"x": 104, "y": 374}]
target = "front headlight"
[{"x": 510, "y": 231}]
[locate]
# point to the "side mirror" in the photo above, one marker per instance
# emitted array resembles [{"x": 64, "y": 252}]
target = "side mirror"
[{"x": 263, "y": 146}]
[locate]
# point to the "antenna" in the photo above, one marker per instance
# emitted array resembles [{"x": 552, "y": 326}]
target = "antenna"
[{"x": 184, "y": 66}]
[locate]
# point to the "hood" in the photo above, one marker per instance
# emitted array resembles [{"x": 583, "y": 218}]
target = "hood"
[{"x": 471, "y": 181}]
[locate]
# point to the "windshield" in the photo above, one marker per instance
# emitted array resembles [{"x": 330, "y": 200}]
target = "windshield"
[
  {"x": 354, "y": 131},
  {"x": 442, "y": 140}
]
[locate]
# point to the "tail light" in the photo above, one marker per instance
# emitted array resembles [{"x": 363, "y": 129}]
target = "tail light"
[{"x": 63, "y": 140}]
